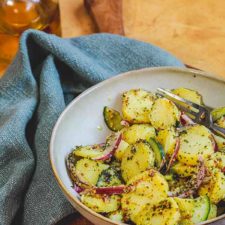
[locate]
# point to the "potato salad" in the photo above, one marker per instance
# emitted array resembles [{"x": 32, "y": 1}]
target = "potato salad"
[{"x": 157, "y": 166}]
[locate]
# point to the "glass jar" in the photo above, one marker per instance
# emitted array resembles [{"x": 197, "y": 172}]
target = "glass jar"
[{"x": 18, "y": 15}]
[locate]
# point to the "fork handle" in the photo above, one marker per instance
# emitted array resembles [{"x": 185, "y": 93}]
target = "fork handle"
[{"x": 218, "y": 130}]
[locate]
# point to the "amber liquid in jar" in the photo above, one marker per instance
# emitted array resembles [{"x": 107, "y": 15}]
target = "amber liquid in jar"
[{"x": 17, "y": 16}]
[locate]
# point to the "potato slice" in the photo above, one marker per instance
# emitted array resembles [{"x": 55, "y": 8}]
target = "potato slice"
[
  {"x": 221, "y": 122},
  {"x": 117, "y": 216},
  {"x": 121, "y": 149},
  {"x": 165, "y": 212},
  {"x": 188, "y": 94},
  {"x": 100, "y": 203},
  {"x": 136, "y": 159},
  {"x": 195, "y": 142},
  {"x": 216, "y": 160},
  {"x": 89, "y": 151},
  {"x": 164, "y": 114},
  {"x": 138, "y": 132},
  {"x": 149, "y": 187},
  {"x": 132, "y": 204},
  {"x": 167, "y": 138},
  {"x": 215, "y": 188},
  {"x": 219, "y": 141},
  {"x": 136, "y": 105},
  {"x": 184, "y": 170},
  {"x": 218, "y": 113}
]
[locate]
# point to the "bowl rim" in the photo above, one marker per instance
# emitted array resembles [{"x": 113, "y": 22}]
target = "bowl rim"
[{"x": 67, "y": 194}]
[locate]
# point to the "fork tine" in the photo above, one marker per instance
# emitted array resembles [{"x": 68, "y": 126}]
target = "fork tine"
[
  {"x": 187, "y": 110},
  {"x": 203, "y": 116},
  {"x": 178, "y": 98},
  {"x": 183, "y": 108}
]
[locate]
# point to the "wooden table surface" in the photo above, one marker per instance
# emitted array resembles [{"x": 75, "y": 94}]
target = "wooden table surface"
[{"x": 192, "y": 30}]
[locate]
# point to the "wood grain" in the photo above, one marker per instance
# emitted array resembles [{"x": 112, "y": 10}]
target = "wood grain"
[
  {"x": 107, "y": 15},
  {"x": 192, "y": 30},
  {"x": 75, "y": 219}
]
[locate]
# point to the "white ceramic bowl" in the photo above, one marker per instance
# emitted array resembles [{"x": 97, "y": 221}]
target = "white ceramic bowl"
[{"x": 80, "y": 122}]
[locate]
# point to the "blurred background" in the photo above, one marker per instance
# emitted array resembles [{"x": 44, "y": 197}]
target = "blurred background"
[{"x": 193, "y": 30}]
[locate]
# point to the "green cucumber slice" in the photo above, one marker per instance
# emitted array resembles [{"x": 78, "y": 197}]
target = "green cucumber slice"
[
  {"x": 194, "y": 210},
  {"x": 169, "y": 177},
  {"x": 112, "y": 119},
  {"x": 212, "y": 212},
  {"x": 158, "y": 151},
  {"x": 108, "y": 177}
]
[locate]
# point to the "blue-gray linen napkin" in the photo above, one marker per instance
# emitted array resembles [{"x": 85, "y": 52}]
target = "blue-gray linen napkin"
[{"x": 46, "y": 74}]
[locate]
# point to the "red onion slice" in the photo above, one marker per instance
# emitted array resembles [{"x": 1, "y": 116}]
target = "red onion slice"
[
  {"x": 223, "y": 169},
  {"x": 77, "y": 188},
  {"x": 215, "y": 146},
  {"x": 124, "y": 123},
  {"x": 174, "y": 155},
  {"x": 111, "y": 147},
  {"x": 114, "y": 190},
  {"x": 186, "y": 120},
  {"x": 201, "y": 173}
]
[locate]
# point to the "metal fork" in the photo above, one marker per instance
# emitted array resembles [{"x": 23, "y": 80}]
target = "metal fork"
[{"x": 198, "y": 113}]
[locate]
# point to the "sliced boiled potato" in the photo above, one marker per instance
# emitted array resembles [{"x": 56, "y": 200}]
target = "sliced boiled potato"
[
  {"x": 109, "y": 177},
  {"x": 183, "y": 170},
  {"x": 136, "y": 105},
  {"x": 188, "y": 94},
  {"x": 132, "y": 204},
  {"x": 218, "y": 113},
  {"x": 164, "y": 114},
  {"x": 193, "y": 211},
  {"x": 151, "y": 183},
  {"x": 167, "y": 138},
  {"x": 89, "y": 151},
  {"x": 195, "y": 142},
  {"x": 138, "y": 132},
  {"x": 100, "y": 203},
  {"x": 136, "y": 159},
  {"x": 216, "y": 160},
  {"x": 219, "y": 116},
  {"x": 219, "y": 141},
  {"x": 221, "y": 122},
  {"x": 121, "y": 149},
  {"x": 88, "y": 171},
  {"x": 149, "y": 186},
  {"x": 117, "y": 216},
  {"x": 165, "y": 212},
  {"x": 215, "y": 188}
]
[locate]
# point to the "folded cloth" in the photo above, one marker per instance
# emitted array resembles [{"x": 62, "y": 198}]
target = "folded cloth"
[{"x": 47, "y": 73}]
